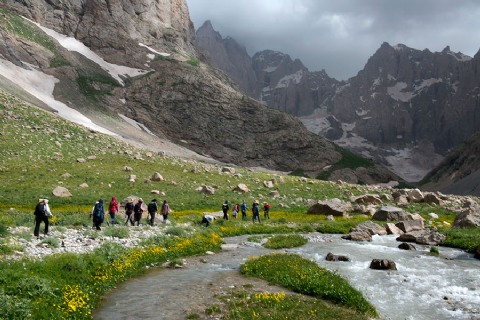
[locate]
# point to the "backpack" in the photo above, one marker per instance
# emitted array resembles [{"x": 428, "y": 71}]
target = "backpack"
[
  {"x": 40, "y": 210},
  {"x": 152, "y": 207},
  {"x": 138, "y": 208},
  {"x": 255, "y": 210},
  {"x": 98, "y": 211},
  {"x": 129, "y": 208}
]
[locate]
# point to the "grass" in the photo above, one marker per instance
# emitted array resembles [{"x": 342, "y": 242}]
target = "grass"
[
  {"x": 52, "y": 242},
  {"x": 434, "y": 251},
  {"x": 306, "y": 277},
  {"x": 256, "y": 239},
  {"x": 117, "y": 232},
  {"x": 282, "y": 241},
  {"x": 193, "y": 62},
  {"x": 466, "y": 239}
]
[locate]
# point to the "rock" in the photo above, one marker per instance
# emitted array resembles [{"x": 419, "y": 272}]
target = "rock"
[
  {"x": 432, "y": 198},
  {"x": 383, "y": 264},
  {"x": 359, "y": 208},
  {"x": 131, "y": 180},
  {"x": 157, "y": 177},
  {"x": 241, "y": 188},
  {"x": 411, "y": 225},
  {"x": 358, "y": 236},
  {"x": 415, "y": 196},
  {"x": 433, "y": 215},
  {"x": 128, "y": 169},
  {"x": 347, "y": 193},
  {"x": 427, "y": 237},
  {"x": 370, "y": 227},
  {"x": 148, "y": 181},
  {"x": 368, "y": 199},
  {"x": 268, "y": 184},
  {"x": 274, "y": 181},
  {"x": 228, "y": 247},
  {"x": 274, "y": 193},
  {"x": 401, "y": 200},
  {"x": 407, "y": 246},
  {"x": 66, "y": 175},
  {"x": 388, "y": 213},
  {"x": 281, "y": 180},
  {"x": 386, "y": 197},
  {"x": 207, "y": 190},
  {"x": 399, "y": 193},
  {"x": 199, "y": 189},
  {"x": 124, "y": 201},
  {"x": 414, "y": 216},
  {"x": 162, "y": 194},
  {"x": 467, "y": 219},
  {"x": 392, "y": 229},
  {"x": 335, "y": 207},
  {"x": 80, "y": 160},
  {"x": 91, "y": 157},
  {"x": 132, "y": 177},
  {"x": 330, "y": 218},
  {"x": 228, "y": 169},
  {"x": 471, "y": 204},
  {"x": 210, "y": 253},
  {"x": 61, "y": 192},
  {"x": 155, "y": 192},
  {"x": 83, "y": 185},
  {"x": 173, "y": 183},
  {"x": 477, "y": 254},
  {"x": 332, "y": 257}
]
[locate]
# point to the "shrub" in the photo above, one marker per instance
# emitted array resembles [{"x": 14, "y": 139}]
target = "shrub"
[
  {"x": 278, "y": 242},
  {"x": 193, "y": 316},
  {"x": 12, "y": 307},
  {"x": 52, "y": 242},
  {"x": 118, "y": 232},
  {"x": 110, "y": 251},
  {"x": 434, "y": 251},
  {"x": 3, "y": 231},
  {"x": 176, "y": 231},
  {"x": 156, "y": 240}
]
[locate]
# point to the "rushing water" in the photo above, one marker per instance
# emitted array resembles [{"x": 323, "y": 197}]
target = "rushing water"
[{"x": 423, "y": 287}]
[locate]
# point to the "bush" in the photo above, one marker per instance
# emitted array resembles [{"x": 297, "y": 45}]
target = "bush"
[
  {"x": 32, "y": 287},
  {"x": 12, "y": 307},
  {"x": 52, "y": 242},
  {"x": 434, "y": 250},
  {"x": 156, "y": 240},
  {"x": 279, "y": 242},
  {"x": 176, "y": 231},
  {"x": 118, "y": 232},
  {"x": 306, "y": 277},
  {"x": 3, "y": 231},
  {"x": 110, "y": 251}
]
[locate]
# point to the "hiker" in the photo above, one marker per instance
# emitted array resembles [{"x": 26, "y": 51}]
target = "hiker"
[
  {"x": 256, "y": 211},
  {"x": 266, "y": 210},
  {"x": 165, "y": 211},
  {"x": 152, "y": 209},
  {"x": 225, "y": 209},
  {"x": 98, "y": 213},
  {"x": 138, "y": 212},
  {"x": 235, "y": 211},
  {"x": 207, "y": 219},
  {"x": 41, "y": 211},
  {"x": 129, "y": 211},
  {"x": 244, "y": 210},
  {"x": 112, "y": 209}
]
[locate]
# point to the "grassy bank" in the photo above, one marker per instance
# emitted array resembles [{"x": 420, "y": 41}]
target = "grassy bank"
[{"x": 306, "y": 277}]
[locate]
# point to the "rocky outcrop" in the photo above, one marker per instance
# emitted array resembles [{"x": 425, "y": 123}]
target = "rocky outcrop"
[
  {"x": 370, "y": 227},
  {"x": 383, "y": 264},
  {"x": 333, "y": 257},
  {"x": 467, "y": 219},
  {"x": 334, "y": 207}
]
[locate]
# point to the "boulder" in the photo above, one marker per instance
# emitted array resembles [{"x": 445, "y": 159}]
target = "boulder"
[
  {"x": 358, "y": 236},
  {"x": 477, "y": 254},
  {"x": 274, "y": 193},
  {"x": 122, "y": 203},
  {"x": 368, "y": 199},
  {"x": 426, "y": 237},
  {"x": 370, "y": 227},
  {"x": 281, "y": 179},
  {"x": 335, "y": 207},
  {"x": 91, "y": 157},
  {"x": 128, "y": 169},
  {"x": 467, "y": 219},
  {"x": 414, "y": 216},
  {"x": 383, "y": 264},
  {"x": 155, "y": 192},
  {"x": 80, "y": 160},
  {"x": 228, "y": 169},
  {"x": 268, "y": 184},
  {"x": 83, "y": 185},
  {"x": 61, "y": 192},
  {"x": 399, "y": 193},
  {"x": 432, "y": 198},
  {"x": 330, "y": 218},
  {"x": 392, "y": 229},
  {"x": 386, "y": 197},
  {"x": 411, "y": 225},
  {"x": 241, "y": 188},
  {"x": 274, "y": 181},
  {"x": 148, "y": 181},
  {"x": 359, "y": 208},
  {"x": 388, "y": 213},
  {"x": 471, "y": 204},
  {"x": 132, "y": 177},
  {"x": 407, "y": 246},
  {"x": 207, "y": 190},
  {"x": 333, "y": 257},
  {"x": 433, "y": 215},
  {"x": 228, "y": 247},
  {"x": 415, "y": 196},
  {"x": 157, "y": 177},
  {"x": 401, "y": 200},
  {"x": 66, "y": 175}
]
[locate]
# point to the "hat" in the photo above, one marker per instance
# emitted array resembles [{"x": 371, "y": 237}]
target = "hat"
[
  {"x": 130, "y": 200},
  {"x": 46, "y": 198},
  {"x": 140, "y": 200},
  {"x": 256, "y": 202}
]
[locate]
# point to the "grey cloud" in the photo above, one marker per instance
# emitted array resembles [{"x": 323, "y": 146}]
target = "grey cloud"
[{"x": 339, "y": 36}]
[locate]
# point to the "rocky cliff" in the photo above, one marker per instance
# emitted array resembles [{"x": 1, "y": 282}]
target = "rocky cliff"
[
  {"x": 405, "y": 109},
  {"x": 134, "y": 66}
]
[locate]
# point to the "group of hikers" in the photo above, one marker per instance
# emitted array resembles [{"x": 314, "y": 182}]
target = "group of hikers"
[
  {"x": 133, "y": 213},
  {"x": 207, "y": 219}
]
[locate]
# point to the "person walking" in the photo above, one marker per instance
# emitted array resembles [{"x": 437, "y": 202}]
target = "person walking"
[
  {"x": 235, "y": 211},
  {"x": 244, "y": 210},
  {"x": 225, "y": 209},
  {"x": 41, "y": 211},
  {"x": 98, "y": 213},
  {"x": 256, "y": 211},
  {"x": 208, "y": 219},
  {"x": 129, "y": 211},
  {"x": 266, "y": 211},
  {"x": 165, "y": 211},
  {"x": 138, "y": 212},
  {"x": 152, "y": 209},
  {"x": 112, "y": 210}
]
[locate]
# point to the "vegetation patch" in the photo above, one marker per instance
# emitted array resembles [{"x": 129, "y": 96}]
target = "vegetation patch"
[
  {"x": 256, "y": 239},
  {"x": 466, "y": 239},
  {"x": 118, "y": 232},
  {"x": 193, "y": 62},
  {"x": 306, "y": 277},
  {"x": 282, "y": 241}
]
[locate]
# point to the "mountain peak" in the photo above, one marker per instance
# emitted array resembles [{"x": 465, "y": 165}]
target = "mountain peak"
[
  {"x": 207, "y": 24},
  {"x": 447, "y": 49}
]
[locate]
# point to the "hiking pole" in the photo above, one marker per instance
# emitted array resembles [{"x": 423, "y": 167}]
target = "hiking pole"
[{"x": 53, "y": 219}]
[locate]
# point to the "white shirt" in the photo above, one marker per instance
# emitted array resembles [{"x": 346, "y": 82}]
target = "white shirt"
[
  {"x": 47, "y": 210},
  {"x": 209, "y": 217}
]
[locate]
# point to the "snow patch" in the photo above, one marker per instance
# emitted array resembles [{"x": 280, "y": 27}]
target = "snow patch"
[
  {"x": 460, "y": 56},
  {"x": 390, "y": 77},
  {"x": 291, "y": 78},
  {"x": 153, "y": 50},
  {"x": 41, "y": 86},
  {"x": 270, "y": 69},
  {"x": 136, "y": 124},
  {"x": 396, "y": 92},
  {"x": 361, "y": 112},
  {"x": 72, "y": 44},
  {"x": 362, "y": 99},
  {"x": 150, "y": 56}
]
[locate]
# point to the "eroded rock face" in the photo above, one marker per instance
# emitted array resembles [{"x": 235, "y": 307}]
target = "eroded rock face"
[
  {"x": 334, "y": 207},
  {"x": 383, "y": 264}
]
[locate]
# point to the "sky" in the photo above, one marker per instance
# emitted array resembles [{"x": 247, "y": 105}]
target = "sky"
[{"x": 339, "y": 36}]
